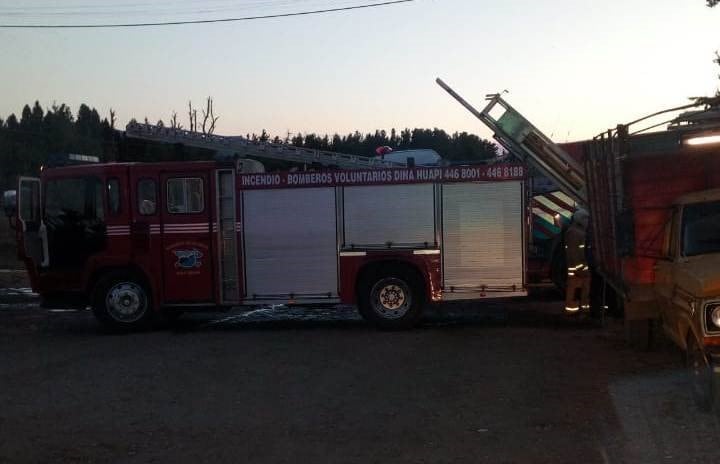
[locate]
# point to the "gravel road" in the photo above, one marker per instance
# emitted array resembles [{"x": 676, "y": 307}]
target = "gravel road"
[{"x": 496, "y": 382}]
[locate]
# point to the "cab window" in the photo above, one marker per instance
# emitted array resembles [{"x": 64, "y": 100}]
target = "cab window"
[
  {"x": 185, "y": 195},
  {"x": 147, "y": 197},
  {"x": 29, "y": 201},
  {"x": 113, "y": 196},
  {"x": 701, "y": 228},
  {"x": 75, "y": 219},
  {"x": 74, "y": 200}
]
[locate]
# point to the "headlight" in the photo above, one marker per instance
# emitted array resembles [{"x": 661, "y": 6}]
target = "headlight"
[
  {"x": 712, "y": 317},
  {"x": 715, "y": 316}
]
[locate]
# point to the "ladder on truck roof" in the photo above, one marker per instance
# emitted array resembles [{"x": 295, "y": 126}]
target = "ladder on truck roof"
[
  {"x": 242, "y": 147},
  {"x": 522, "y": 139}
]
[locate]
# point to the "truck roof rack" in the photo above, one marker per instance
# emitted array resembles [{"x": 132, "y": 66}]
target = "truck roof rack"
[{"x": 242, "y": 147}]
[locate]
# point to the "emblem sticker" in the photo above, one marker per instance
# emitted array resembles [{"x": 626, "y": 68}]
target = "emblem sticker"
[{"x": 188, "y": 259}]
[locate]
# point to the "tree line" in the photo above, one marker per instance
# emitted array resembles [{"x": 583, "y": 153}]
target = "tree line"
[{"x": 27, "y": 141}]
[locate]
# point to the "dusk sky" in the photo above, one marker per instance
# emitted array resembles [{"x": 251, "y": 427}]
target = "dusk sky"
[{"x": 574, "y": 67}]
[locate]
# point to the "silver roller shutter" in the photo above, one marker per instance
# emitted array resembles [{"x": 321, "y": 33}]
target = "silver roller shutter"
[
  {"x": 400, "y": 214},
  {"x": 290, "y": 242},
  {"x": 483, "y": 235}
]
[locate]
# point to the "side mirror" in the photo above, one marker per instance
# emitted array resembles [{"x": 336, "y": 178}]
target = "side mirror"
[{"x": 10, "y": 203}]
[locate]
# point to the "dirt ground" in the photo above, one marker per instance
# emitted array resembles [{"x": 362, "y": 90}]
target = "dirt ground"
[{"x": 496, "y": 382}]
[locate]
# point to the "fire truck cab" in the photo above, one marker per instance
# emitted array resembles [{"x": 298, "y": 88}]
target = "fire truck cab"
[{"x": 133, "y": 239}]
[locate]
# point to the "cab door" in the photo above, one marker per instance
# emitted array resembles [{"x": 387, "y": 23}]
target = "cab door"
[
  {"x": 187, "y": 253},
  {"x": 31, "y": 228}
]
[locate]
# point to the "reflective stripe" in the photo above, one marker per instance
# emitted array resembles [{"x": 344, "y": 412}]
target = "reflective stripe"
[
  {"x": 579, "y": 267},
  {"x": 353, "y": 253},
  {"x": 426, "y": 252},
  {"x": 572, "y": 309}
]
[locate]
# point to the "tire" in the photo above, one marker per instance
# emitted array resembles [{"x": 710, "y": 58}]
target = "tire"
[
  {"x": 122, "y": 302},
  {"x": 715, "y": 390},
  {"x": 172, "y": 316},
  {"x": 700, "y": 375},
  {"x": 637, "y": 333},
  {"x": 391, "y": 299}
]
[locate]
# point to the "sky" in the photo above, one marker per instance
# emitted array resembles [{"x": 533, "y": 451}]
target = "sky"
[{"x": 573, "y": 67}]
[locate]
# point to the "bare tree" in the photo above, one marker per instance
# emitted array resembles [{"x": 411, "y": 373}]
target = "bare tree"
[
  {"x": 192, "y": 115},
  {"x": 209, "y": 115},
  {"x": 174, "y": 121},
  {"x": 112, "y": 118}
]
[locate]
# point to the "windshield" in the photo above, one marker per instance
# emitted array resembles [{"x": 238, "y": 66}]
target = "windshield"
[{"x": 701, "y": 228}]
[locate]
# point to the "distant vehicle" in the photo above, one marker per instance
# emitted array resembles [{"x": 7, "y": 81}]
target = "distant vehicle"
[{"x": 421, "y": 157}]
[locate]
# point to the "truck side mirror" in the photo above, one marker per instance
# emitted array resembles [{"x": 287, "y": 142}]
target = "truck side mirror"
[
  {"x": 10, "y": 202},
  {"x": 10, "y": 206}
]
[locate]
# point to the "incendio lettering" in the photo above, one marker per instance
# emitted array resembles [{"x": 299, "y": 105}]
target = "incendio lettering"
[
  {"x": 361, "y": 177},
  {"x": 428, "y": 174},
  {"x": 402, "y": 175},
  {"x": 313, "y": 178},
  {"x": 261, "y": 179}
]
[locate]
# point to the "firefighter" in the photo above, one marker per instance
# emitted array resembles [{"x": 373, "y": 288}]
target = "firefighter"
[{"x": 577, "y": 295}]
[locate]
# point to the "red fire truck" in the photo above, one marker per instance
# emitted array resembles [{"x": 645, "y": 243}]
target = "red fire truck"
[{"x": 133, "y": 240}]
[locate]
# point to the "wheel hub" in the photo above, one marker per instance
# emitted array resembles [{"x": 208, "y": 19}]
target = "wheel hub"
[
  {"x": 126, "y": 302},
  {"x": 391, "y": 298}
]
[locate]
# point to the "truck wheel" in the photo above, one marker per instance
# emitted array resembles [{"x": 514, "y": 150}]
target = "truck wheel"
[
  {"x": 172, "y": 316},
  {"x": 391, "y": 300},
  {"x": 122, "y": 302},
  {"x": 637, "y": 333},
  {"x": 715, "y": 390},
  {"x": 702, "y": 384}
]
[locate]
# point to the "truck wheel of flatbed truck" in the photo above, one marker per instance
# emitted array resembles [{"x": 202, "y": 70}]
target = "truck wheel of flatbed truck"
[
  {"x": 122, "y": 302},
  {"x": 703, "y": 384},
  {"x": 392, "y": 299},
  {"x": 638, "y": 333}
]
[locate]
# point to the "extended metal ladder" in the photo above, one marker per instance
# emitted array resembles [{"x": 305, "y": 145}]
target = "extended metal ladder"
[
  {"x": 517, "y": 135},
  {"x": 243, "y": 147}
]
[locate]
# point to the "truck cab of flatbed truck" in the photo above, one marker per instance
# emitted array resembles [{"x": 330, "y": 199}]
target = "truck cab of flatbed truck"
[{"x": 687, "y": 288}]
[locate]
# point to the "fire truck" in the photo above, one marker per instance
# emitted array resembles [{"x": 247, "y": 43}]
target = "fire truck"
[{"x": 136, "y": 240}]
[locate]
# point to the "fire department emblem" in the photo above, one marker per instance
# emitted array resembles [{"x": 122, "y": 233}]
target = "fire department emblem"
[{"x": 188, "y": 259}]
